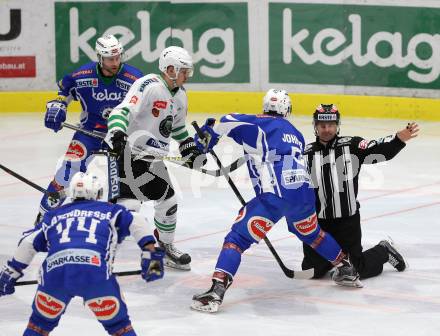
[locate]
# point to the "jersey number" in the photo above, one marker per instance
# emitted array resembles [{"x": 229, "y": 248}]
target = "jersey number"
[{"x": 80, "y": 224}]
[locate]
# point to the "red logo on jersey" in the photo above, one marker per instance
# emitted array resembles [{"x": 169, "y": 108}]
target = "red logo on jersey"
[
  {"x": 241, "y": 215},
  {"x": 104, "y": 308},
  {"x": 95, "y": 260},
  {"x": 363, "y": 144},
  {"x": 48, "y": 306},
  {"x": 76, "y": 151},
  {"x": 155, "y": 112},
  {"x": 129, "y": 75},
  {"x": 133, "y": 100},
  {"x": 159, "y": 104},
  {"x": 307, "y": 226},
  {"x": 82, "y": 72},
  {"x": 258, "y": 227}
]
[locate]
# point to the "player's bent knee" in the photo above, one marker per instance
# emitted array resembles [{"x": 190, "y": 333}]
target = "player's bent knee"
[
  {"x": 306, "y": 229},
  {"x": 236, "y": 241}
]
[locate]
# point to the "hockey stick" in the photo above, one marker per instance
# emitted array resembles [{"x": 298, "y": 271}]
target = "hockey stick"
[
  {"x": 25, "y": 180},
  {"x": 176, "y": 160},
  {"x": 306, "y": 274},
  {"x": 119, "y": 274}
]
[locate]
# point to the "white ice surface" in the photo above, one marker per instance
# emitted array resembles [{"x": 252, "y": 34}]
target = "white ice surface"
[{"x": 400, "y": 198}]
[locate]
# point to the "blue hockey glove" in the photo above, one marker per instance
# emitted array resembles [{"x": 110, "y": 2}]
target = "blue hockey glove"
[
  {"x": 211, "y": 137},
  {"x": 8, "y": 277},
  {"x": 55, "y": 114},
  {"x": 152, "y": 264}
]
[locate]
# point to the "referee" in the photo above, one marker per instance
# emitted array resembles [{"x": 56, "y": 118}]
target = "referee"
[{"x": 334, "y": 164}]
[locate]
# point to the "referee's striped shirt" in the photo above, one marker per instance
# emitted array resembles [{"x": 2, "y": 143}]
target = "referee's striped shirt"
[{"x": 335, "y": 168}]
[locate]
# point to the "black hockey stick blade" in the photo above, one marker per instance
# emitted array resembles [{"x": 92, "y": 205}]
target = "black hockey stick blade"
[
  {"x": 23, "y": 179},
  {"x": 119, "y": 274}
]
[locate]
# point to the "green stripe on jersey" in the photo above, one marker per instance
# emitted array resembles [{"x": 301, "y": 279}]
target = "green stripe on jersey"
[
  {"x": 177, "y": 129},
  {"x": 116, "y": 124},
  {"x": 181, "y": 136},
  {"x": 116, "y": 117},
  {"x": 165, "y": 227}
]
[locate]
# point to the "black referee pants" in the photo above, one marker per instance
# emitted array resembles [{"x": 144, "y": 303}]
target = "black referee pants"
[{"x": 347, "y": 232}]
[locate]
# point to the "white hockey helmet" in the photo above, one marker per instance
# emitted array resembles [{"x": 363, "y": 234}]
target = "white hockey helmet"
[
  {"x": 277, "y": 102},
  {"x": 108, "y": 46},
  {"x": 177, "y": 57},
  {"x": 86, "y": 186}
]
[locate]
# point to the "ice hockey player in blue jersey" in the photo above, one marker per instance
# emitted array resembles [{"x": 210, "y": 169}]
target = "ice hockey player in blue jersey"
[
  {"x": 99, "y": 87},
  {"x": 273, "y": 147},
  {"x": 80, "y": 239}
]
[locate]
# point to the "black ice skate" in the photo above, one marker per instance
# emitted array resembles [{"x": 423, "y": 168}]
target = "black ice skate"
[
  {"x": 394, "y": 257},
  {"x": 173, "y": 257},
  {"x": 346, "y": 275},
  {"x": 211, "y": 300}
]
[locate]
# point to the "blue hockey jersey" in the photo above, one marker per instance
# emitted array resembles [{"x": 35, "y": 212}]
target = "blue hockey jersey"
[
  {"x": 81, "y": 237},
  {"x": 97, "y": 95},
  {"x": 273, "y": 147}
]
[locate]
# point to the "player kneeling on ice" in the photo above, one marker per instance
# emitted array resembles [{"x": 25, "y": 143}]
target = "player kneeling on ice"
[
  {"x": 274, "y": 149},
  {"x": 81, "y": 240}
]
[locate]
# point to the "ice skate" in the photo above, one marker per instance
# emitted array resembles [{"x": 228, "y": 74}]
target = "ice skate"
[
  {"x": 174, "y": 258},
  {"x": 345, "y": 274},
  {"x": 394, "y": 257},
  {"x": 211, "y": 300}
]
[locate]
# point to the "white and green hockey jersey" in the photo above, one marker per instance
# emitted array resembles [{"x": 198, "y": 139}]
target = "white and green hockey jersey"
[{"x": 150, "y": 115}]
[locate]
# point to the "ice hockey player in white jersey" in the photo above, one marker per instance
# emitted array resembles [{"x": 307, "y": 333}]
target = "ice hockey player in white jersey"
[
  {"x": 154, "y": 111},
  {"x": 80, "y": 239}
]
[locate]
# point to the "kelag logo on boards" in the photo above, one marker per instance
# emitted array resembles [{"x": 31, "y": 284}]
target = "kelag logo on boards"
[
  {"x": 213, "y": 33},
  {"x": 354, "y": 45}
]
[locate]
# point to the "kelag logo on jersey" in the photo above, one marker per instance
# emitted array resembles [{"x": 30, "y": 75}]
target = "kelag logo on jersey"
[
  {"x": 359, "y": 45},
  {"x": 106, "y": 96},
  {"x": 215, "y": 34}
]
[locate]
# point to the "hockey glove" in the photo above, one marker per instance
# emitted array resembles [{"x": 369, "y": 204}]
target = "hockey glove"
[
  {"x": 118, "y": 141},
  {"x": 55, "y": 114},
  {"x": 194, "y": 157},
  {"x": 211, "y": 137},
  {"x": 152, "y": 264},
  {"x": 8, "y": 277}
]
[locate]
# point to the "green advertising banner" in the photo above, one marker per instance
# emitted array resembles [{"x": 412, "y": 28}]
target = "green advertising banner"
[
  {"x": 213, "y": 33},
  {"x": 354, "y": 45}
]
